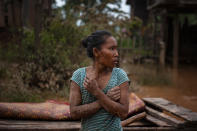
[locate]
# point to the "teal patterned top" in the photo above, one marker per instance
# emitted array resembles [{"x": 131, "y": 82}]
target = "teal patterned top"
[{"x": 102, "y": 120}]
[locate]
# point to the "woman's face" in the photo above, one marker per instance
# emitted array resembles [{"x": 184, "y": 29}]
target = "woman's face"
[{"x": 108, "y": 54}]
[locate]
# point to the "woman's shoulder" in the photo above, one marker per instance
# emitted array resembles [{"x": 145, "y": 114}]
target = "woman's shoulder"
[
  {"x": 119, "y": 70},
  {"x": 121, "y": 75},
  {"x": 78, "y": 71},
  {"x": 77, "y": 75}
]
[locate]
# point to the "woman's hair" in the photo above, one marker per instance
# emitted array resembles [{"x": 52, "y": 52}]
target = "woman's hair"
[{"x": 95, "y": 40}]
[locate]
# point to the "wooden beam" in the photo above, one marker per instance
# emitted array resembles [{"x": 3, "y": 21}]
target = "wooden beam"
[
  {"x": 188, "y": 2},
  {"x": 26, "y": 125},
  {"x": 39, "y": 125},
  {"x": 163, "y": 104},
  {"x": 160, "y": 115},
  {"x": 158, "y": 122},
  {"x": 150, "y": 129},
  {"x": 141, "y": 123},
  {"x": 133, "y": 118}
]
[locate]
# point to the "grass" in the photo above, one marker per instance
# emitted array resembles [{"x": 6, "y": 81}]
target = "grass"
[
  {"x": 148, "y": 74},
  {"x": 17, "y": 94}
]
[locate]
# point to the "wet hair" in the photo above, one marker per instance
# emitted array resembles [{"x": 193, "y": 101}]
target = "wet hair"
[{"x": 95, "y": 40}]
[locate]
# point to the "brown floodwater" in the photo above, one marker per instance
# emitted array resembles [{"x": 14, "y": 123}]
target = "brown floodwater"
[{"x": 183, "y": 92}]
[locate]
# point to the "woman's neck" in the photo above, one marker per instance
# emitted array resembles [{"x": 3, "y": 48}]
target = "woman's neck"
[{"x": 99, "y": 69}]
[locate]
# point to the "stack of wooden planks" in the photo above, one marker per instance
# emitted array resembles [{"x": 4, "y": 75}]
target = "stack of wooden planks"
[{"x": 161, "y": 114}]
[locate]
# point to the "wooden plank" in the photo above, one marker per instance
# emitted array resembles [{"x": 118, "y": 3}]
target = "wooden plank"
[
  {"x": 149, "y": 129},
  {"x": 157, "y": 121},
  {"x": 41, "y": 125},
  {"x": 169, "y": 120},
  {"x": 179, "y": 111},
  {"x": 141, "y": 123},
  {"x": 133, "y": 118},
  {"x": 190, "y": 2},
  {"x": 13, "y": 125}
]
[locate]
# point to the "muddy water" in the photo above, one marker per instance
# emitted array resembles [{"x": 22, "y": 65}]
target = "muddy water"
[{"x": 183, "y": 92}]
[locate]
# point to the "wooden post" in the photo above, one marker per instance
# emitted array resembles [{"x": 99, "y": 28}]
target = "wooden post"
[
  {"x": 134, "y": 41},
  {"x": 38, "y": 21},
  {"x": 25, "y": 12},
  {"x": 162, "y": 54},
  {"x": 175, "y": 49},
  {"x": 176, "y": 42},
  {"x": 2, "y": 21},
  {"x": 154, "y": 35},
  {"x": 17, "y": 10},
  {"x": 162, "y": 41},
  {"x": 10, "y": 15}
]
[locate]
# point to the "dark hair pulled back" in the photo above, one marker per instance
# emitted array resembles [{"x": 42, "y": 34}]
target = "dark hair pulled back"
[{"x": 95, "y": 40}]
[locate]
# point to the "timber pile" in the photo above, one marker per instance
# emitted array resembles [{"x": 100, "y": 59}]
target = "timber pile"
[{"x": 161, "y": 114}]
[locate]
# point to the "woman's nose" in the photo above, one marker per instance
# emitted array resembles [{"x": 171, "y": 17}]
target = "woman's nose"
[{"x": 116, "y": 53}]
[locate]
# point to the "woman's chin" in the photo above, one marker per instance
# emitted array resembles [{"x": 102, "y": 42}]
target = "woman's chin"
[{"x": 116, "y": 64}]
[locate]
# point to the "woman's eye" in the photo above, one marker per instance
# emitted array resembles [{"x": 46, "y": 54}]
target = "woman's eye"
[{"x": 111, "y": 48}]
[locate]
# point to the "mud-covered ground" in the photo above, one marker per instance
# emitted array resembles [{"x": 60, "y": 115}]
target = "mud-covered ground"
[{"x": 183, "y": 90}]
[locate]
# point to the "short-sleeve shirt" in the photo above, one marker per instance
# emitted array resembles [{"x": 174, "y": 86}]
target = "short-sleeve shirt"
[{"x": 102, "y": 120}]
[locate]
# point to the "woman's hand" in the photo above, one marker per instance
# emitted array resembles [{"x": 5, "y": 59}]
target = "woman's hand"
[
  {"x": 114, "y": 93},
  {"x": 91, "y": 85}
]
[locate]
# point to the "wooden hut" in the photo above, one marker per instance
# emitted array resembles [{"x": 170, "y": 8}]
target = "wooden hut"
[
  {"x": 139, "y": 9},
  {"x": 15, "y": 14},
  {"x": 174, "y": 35}
]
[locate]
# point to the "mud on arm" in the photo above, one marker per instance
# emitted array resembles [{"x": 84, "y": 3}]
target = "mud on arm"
[
  {"x": 77, "y": 110},
  {"x": 119, "y": 108}
]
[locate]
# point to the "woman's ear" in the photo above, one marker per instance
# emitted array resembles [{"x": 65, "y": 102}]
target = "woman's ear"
[{"x": 95, "y": 52}]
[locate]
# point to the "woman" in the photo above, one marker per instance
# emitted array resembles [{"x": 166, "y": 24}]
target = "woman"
[{"x": 99, "y": 93}]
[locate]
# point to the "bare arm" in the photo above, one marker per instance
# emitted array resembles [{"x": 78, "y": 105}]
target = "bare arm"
[
  {"x": 117, "y": 108},
  {"x": 77, "y": 110},
  {"x": 120, "y": 108}
]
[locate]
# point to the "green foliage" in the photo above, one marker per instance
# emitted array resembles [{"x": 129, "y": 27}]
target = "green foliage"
[
  {"x": 149, "y": 74},
  {"x": 48, "y": 65},
  {"x": 155, "y": 79},
  {"x": 25, "y": 94},
  {"x": 135, "y": 24},
  {"x": 191, "y": 19},
  {"x": 4, "y": 73},
  {"x": 126, "y": 43},
  {"x": 59, "y": 42},
  {"x": 27, "y": 50}
]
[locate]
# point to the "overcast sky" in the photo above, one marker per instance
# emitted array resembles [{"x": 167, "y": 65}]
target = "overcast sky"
[{"x": 124, "y": 7}]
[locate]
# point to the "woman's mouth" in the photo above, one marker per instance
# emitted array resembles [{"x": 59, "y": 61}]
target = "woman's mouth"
[{"x": 116, "y": 62}]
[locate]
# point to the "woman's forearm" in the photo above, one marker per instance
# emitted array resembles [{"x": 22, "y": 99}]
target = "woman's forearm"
[
  {"x": 111, "y": 106},
  {"x": 82, "y": 111}
]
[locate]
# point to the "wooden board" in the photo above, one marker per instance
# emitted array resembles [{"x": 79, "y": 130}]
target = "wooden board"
[
  {"x": 179, "y": 111},
  {"x": 151, "y": 129},
  {"x": 26, "y": 125},
  {"x": 133, "y": 118},
  {"x": 158, "y": 122},
  {"x": 155, "y": 120},
  {"x": 39, "y": 125},
  {"x": 141, "y": 123},
  {"x": 169, "y": 120}
]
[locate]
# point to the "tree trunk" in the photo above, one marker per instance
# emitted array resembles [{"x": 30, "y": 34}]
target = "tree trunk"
[
  {"x": 38, "y": 21},
  {"x": 2, "y": 15}
]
